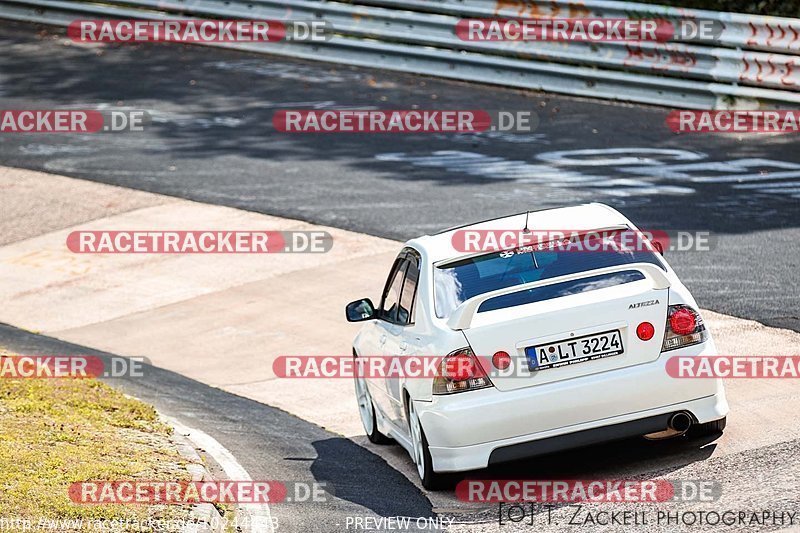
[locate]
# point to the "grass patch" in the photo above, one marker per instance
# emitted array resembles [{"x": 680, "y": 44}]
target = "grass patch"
[{"x": 54, "y": 432}]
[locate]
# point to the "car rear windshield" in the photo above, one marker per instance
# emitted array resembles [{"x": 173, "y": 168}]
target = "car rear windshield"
[{"x": 458, "y": 281}]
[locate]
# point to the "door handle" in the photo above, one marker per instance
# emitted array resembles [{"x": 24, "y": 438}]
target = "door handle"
[
  {"x": 403, "y": 345},
  {"x": 382, "y": 340}
]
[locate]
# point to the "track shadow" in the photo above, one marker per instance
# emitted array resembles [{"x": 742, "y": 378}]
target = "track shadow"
[{"x": 367, "y": 470}]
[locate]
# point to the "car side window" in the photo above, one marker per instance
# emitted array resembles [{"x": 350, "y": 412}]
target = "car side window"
[
  {"x": 391, "y": 294},
  {"x": 405, "y": 313}
]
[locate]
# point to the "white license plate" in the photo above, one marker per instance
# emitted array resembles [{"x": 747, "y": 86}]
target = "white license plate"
[{"x": 577, "y": 350}]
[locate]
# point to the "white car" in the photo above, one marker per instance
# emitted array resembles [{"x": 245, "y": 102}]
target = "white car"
[{"x": 613, "y": 318}]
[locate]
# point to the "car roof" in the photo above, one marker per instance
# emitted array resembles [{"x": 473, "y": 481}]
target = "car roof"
[{"x": 586, "y": 217}]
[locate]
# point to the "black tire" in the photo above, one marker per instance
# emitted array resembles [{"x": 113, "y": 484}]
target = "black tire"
[
  {"x": 715, "y": 427},
  {"x": 429, "y": 479},
  {"x": 370, "y": 423},
  {"x": 433, "y": 481},
  {"x": 371, "y": 429},
  {"x": 375, "y": 436}
]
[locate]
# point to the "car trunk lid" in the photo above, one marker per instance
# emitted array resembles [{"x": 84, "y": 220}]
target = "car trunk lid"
[{"x": 547, "y": 338}]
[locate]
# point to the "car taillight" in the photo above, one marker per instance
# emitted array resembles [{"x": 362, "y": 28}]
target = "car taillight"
[
  {"x": 682, "y": 321},
  {"x": 460, "y": 371},
  {"x": 684, "y": 328},
  {"x": 459, "y": 367}
]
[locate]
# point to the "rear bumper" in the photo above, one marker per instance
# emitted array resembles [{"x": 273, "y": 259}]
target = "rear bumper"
[
  {"x": 587, "y": 437},
  {"x": 466, "y": 430}
]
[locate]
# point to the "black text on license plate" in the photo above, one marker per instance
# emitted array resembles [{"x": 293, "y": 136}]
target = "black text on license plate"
[{"x": 576, "y": 350}]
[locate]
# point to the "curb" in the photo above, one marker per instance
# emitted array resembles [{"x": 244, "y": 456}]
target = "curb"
[{"x": 204, "y": 517}]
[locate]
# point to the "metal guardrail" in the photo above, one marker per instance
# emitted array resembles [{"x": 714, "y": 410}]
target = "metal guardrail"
[
  {"x": 737, "y": 56},
  {"x": 418, "y": 36},
  {"x": 771, "y": 34}
]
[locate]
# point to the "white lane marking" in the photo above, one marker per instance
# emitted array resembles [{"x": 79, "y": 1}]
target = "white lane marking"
[
  {"x": 770, "y": 185},
  {"x": 646, "y": 164},
  {"x": 484, "y": 166},
  {"x": 781, "y": 190},
  {"x": 606, "y": 157},
  {"x": 733, "y": 178},
  {"x": 257, "y": 513},
  {"x": 484, "y": 137}
]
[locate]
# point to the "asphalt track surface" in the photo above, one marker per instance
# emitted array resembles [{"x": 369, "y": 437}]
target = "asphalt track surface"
[{"x": 212, "y": 140}]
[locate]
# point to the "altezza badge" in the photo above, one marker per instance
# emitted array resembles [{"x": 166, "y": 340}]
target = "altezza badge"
[{"x": 643, "y": 304}]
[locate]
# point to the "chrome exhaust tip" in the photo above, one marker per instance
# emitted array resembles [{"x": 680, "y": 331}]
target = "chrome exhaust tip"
[{"x": 680, "y": 422}]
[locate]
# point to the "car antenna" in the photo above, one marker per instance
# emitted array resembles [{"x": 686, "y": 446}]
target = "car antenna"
[{"x": 527, "y": 230}]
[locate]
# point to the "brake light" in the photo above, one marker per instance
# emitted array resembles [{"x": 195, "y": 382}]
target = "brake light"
[
  {"x": 645, "y": 331},
  {"x": 684, "y": 328},
  {"x": 459, "y": 367},
  {"x": 460, "y": 371},
  {"x": 682, "y": 321}
]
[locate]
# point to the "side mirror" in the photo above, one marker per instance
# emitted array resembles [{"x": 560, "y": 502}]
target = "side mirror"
[{"x": 360, "y": 310}]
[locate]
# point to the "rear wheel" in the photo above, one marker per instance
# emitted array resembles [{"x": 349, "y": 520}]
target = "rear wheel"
[
  {"x": 367, "y": 411},
  {"x": 422, "y": 455},
  {"x": 715, "y": 427}
]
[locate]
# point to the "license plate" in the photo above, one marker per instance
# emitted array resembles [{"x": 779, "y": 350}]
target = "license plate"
[{"x": 577, "y": 350}]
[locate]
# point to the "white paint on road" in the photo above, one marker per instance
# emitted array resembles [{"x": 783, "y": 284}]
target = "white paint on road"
[
  {"x": 564, "y": 169},
  {"x": 257, "y": 514}
]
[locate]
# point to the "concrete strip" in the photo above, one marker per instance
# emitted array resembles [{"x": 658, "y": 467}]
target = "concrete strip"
[
  {"x": 757, "y": 404},
  {"x": 224, "y": 319},
  {"x": 32, "y": 203},
  {"x": 71, "y": 290}
]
